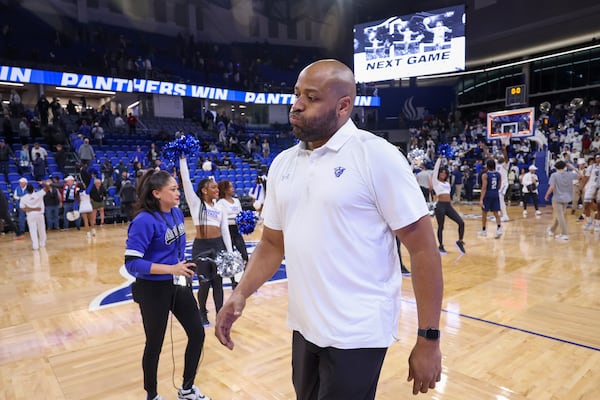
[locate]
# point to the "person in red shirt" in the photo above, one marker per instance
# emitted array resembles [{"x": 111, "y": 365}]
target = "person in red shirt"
[{"x": 131, "y": 122}]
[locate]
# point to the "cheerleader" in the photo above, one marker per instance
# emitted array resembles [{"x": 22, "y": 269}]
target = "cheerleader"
[
  {"x": 212, "y": 232},
  {"x": 233, "y": 207}
]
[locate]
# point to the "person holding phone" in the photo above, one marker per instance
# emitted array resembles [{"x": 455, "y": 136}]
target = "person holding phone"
[{"x": 154, "y": 254}]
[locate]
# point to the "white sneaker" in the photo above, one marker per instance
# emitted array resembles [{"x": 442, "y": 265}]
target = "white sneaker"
[
  {"x": 524, "y": 213},
  {"x": 505, "y": 218},
  {"x": 549, "y": 232},
  {"x": 538, "y": 212},
  {"x": 498, "y": 233},
  {"x": 587, "y": 226},
  {"x": 482, "y": 233},
  {"x": 89, "y": 235},
  {"x": 158, "y": 397},
  {"x": 191, "y": 394},
  {"x": 597, "y": 228},
  {"x": 93, "y": 231},
  {"x": 562, "y": 237}
]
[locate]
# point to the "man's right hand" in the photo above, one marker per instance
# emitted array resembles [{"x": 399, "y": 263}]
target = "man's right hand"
[{"x": 229, "y": 313}]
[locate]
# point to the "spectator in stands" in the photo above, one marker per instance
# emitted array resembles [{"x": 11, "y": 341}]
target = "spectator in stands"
[
  {"x": 7, "y": 131},
  {"x": 212, "y": 148},
  {"x": 122, "y": 177},
  {"x": 56, "y": 109},
  {"x": 153, "y": 154},
  {"x": 266, "y": 148},
  {"x": 226, "y": 162},
  {"x": 6, "y": 155},
  {"x": 251, "y": 145},
  {"x": 119, "y": 124},
  {"x": 24, "y": 132},
  {"x": 77, "y": 141},
  {"x": 43, "y": 106},
  {"x": 530, "y": 183},
  {"x": 107, "y": 171},
  {"x": 132, "y": 123},
  {"x": 39, "y": 167},
  {"x": 128, "y": 197},
  {"x": 86, "y": 152},
  {"x": 15, "y": 106},
  {"x": 84, "y": 129},
  {"x": 37, "y": 149},
  {"x": 24, "y": 160},
  {"x": 60, "y": 156},
  {"x": 97, "y": 134},
  {"x": 208, "y": 165},
  {"x": 138, "y": 156},
  {"x": 71, "y": 110}
]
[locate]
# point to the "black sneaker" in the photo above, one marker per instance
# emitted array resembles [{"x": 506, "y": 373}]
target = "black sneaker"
[
  {"x": 461, "y": 246},
  {"x": 442, "y": 250},
  {"x": 405, "y": 272},
  {"x": 204, "y": 319}
]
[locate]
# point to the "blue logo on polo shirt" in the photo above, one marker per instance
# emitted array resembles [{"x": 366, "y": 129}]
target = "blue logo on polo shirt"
[
  {"x": 338, "y": 171},
  {"x": 122, "y": 293}
]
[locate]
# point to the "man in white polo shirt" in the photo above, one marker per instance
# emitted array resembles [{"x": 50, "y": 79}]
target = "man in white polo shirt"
[{"x": 335, "y": 203}]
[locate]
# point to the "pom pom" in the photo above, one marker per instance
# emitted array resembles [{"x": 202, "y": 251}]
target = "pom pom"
[
  {"x": 246, "y": 222},
  {"x": 186, "y": 144},
  {"x": 229, "y": 264},
  {"x": 416, "y": 156},
  {"x": 446, "y": 150}
]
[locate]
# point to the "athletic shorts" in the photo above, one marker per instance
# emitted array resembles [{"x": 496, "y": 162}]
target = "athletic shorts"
[
  {"x": 491, "y": 203},
  {"x": 590, "y": 192}
]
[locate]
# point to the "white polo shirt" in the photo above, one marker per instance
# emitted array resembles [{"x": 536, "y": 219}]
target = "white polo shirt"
[{"x": 337, "y": 207}]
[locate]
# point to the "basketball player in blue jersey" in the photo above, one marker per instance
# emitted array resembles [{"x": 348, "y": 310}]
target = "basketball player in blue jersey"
[{"x": 489, "y": 200}]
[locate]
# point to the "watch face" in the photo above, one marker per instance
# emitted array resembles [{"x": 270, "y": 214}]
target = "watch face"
[{"x": 432, "y": 334}]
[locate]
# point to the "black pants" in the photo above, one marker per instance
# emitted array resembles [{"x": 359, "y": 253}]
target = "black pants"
[
  {"x": 199, "y": 247},
  {"x": 156, "y": 299},
  {"x": 328, "y": 373},
  {"x": 529, "y": 195},
  {"x": 443, "y": 209},
  {"x": 238, "y": 241}
]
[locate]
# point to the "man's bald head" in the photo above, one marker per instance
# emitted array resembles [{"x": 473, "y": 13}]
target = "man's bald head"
[{"x": 334, "y": 75}]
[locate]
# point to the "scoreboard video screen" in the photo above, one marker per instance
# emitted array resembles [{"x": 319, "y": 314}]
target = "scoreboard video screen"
[{"x": 424, "y": 43}]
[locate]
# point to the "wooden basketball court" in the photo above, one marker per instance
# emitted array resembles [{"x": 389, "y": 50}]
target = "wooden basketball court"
[{"x": 521, "y": 320}]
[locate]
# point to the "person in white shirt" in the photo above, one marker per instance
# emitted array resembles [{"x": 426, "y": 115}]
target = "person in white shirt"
[
  {"x": 37, "y": 149},
  {"x": 33, "y": 205},
  {"x": 232, "y": 207},
  {"x": 530, "y": 184},
  {"x": 337, "y": 222}
]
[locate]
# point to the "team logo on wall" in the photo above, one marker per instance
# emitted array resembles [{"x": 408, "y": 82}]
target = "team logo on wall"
[{"x": 122, "y": 293}]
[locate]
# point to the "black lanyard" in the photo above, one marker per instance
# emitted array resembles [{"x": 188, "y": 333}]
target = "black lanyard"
[{"x": 174, "y": 229}]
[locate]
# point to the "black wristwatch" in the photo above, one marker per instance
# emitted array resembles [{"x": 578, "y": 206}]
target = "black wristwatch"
[{"x": 429, "y": 333}]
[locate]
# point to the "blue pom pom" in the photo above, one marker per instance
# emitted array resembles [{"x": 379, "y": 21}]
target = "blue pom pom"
[
  {"x": 186, "y": 144},
  {"x": 246, "y": 222},
  {"x": 446, "y": 150}
]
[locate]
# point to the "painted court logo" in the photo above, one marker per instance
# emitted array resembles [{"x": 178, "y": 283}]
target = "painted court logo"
[{"x": 122, "y": 294}]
